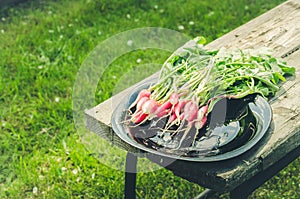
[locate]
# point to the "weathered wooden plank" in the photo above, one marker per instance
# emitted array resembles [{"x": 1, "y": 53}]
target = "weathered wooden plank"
[
  {"x": 286, "y": 114},
  {"x": 278, "y": 29}
]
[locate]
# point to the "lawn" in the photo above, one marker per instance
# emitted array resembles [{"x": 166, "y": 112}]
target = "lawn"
[{"x": 42, "y": 46}]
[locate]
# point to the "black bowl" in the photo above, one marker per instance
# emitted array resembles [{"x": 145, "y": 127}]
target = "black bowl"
[{"x": 260, "y": 117}]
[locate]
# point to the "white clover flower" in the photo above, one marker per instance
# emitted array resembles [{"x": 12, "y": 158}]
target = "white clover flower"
[
  {"x": 75, "y": 171},
  {"x": 51, "y": 31},
  {"x": 2, "y": 31},
  {"x": 180, "y": 27},
  {"x": 99, "y": 32},
  {"x": 34, "y": 190},
  {"x": 63, "y": 168},
  {"x": 155, "y": 6},
  {"x": 191, "y": 23},
  {"x": 211, "y": 13},
  {"x": 128, "y": 16},
  {"x": 129, "y": 42},
  {"x": 40, "y": 67},
  {"x": 138, "y": 60},
  {"x": 93, "y": 175},
  {"x": 56, "y": 99},
  {"x": 3, "y": 19}
]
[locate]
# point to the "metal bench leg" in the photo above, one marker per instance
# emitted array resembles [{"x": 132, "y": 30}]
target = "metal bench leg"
[{"x": 130, "y": 176}]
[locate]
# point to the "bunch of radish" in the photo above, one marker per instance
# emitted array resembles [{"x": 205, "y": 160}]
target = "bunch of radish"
[
  {"x": 192, "y": 81},
  {"x": 177, "y": 109}
]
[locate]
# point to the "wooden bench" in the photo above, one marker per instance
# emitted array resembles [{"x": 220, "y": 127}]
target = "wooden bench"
[{"x": 278, "y": 29}]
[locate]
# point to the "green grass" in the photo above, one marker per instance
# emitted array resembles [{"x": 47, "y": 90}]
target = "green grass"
[{"x": 42, "y": 45}]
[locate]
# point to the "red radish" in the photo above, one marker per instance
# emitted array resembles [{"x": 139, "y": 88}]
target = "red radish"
[
  {"x": 163, "y": 107},
  {"x": 138, "y": 117},
  {"x": 162, "y": 113},
  {"x": 198, "y": 125},
  {"x": 201, "y": 123},
  {"x": 181, "y": 117},
  {"x": 201, "y": 117},
  {"x": 142, "y": 93},
  {"x": 202, "y": 112},
  {"x": 150, "y": 106},
  {"x": 204, "y": 120},
  {"x": 141, "y": 103},
  {"x": 191, "y": 120},
  {"x": 178, "y": 107},
  {"x": 190, "y": 111},
  {"x": 172, "y": 118},
  {"x": 174, "y": 98}
]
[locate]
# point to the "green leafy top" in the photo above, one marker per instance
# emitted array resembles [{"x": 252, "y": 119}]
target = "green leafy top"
[{"x": 201, "y": 75}]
